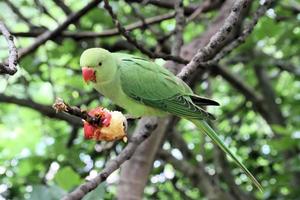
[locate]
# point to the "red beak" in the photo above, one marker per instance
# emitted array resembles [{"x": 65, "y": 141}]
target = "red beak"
[{"x": 88, "y": 74}]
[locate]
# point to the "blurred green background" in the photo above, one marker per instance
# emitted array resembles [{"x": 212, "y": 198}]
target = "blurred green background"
[{"x": 44, "y": 155}]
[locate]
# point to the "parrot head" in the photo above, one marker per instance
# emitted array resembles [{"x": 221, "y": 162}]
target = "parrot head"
[{"x": 96, "y": 65}]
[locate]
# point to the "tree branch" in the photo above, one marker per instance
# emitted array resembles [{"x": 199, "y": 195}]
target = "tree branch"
[
  {"x": 41, "y": 39},
  {"x": 238, "y": 41},
  {"x": 105, "y": 33},
  {"x": 44, "y": 10},
  {"x": 72, "y": 137},
  {"x": 246, "y": 32},
  {"x": 239, "y": 84},
  {"x": 133, "y": 41},
  {"x": 167, "y": 4},
  {"x": 61, "y": 106},
  {"x": 180, "y": 23},
  {"x": 11, "y": 67},
  {"x": 202, "y": 8},
  {"x": 52, "y": 34},
  {"x": 197, "y": 175},
  {"x": 43, "y": 109},
  {"x": 275, "y": 115},
  {"x": 18, "y": 13},
  {"x": 218, "y": 40},
  {"x": 181, "y": 190},
  {"x": 63, "y": 6},
  {"x": 286, "y": 66},
  {"x": 147, "y": 125}
]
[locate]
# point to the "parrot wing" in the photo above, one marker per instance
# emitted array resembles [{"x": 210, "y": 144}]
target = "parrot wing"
[{"x": 152, "y": 85}]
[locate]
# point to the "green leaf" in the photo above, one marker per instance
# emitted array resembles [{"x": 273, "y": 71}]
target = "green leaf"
[
  {"x": 67, "y": 178},
  {"x": 25, "y": 167},
  {"x": 279, "y": 129},
  {"x": 46, "y": 192},
  {"x": 283, "y": 143},
  {"x": 98, "y": 193}
]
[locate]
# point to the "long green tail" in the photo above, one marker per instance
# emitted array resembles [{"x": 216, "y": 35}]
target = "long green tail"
[{"x": 204, "y": 127}]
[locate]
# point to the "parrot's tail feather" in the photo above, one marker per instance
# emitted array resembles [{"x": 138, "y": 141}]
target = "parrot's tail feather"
[{"x": 204, "y": 127}]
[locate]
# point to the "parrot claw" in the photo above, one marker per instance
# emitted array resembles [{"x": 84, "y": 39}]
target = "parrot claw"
[{"x": 125, "y": 139}]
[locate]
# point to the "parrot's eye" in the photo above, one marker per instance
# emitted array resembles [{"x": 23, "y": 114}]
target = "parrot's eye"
[{"x": 100, "y": 63}]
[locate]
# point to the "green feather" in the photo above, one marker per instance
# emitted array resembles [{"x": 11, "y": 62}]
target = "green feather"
[
  {"x": 205, "y": 128},
  {"x": 165, "y": 92}
]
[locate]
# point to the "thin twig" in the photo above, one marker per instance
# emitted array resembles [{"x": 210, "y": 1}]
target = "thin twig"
[
  {"x": 18, "y": 13},
  {"x": 246, "y": 32},
  {"x": 180, "y": 23},
  {"x": 158, "y": 35},
  {"x": 48, "y": 35},
  {"x": 139, "y": 15},
  {"x": 11, "y": 67},
  {"x": 240, "y": 85},
  {"x": 217, "y": 41},
  {"x": 165, "y": 4},
  {"x": 202, "y": 8},
  {"x": 43, "y": 109},
  {"x": 44, "y": 10},
  {"x": 61, "y": 106},
  {"x": 112, "y": 32},
  {"x": 72, "y": 137},
  {"x": 178, "y": 34},
  {"x": 234, "y": 44},
  {"x": 52, "y": 34},
  {"x": 106, "y": 33},
  {"x": 133, "y": 41},
  {"x": 63, "y": 6}
]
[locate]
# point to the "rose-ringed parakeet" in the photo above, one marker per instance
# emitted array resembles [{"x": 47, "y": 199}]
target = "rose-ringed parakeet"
[{"x": 144, "y": 88}]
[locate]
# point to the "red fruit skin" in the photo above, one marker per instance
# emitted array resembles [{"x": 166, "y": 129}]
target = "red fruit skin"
[
  {"x": 96, "y": 111},
  {"x": 103, "y": 114},
  {"x": 88, "y": 130},
  {"x": 97, "y": 134},
  {"x": 92, "y": 131}
]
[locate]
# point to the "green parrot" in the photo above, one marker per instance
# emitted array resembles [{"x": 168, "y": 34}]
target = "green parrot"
[{"x": 144, "y": 88}]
